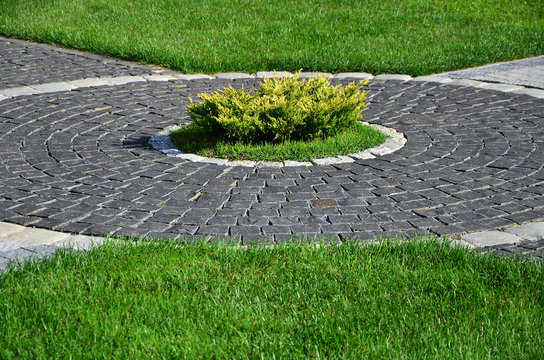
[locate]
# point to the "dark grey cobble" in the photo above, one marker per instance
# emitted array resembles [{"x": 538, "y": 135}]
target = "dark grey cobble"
[
  {"x": 80, "y": 162},
  {"x": 24, "y": 63}
]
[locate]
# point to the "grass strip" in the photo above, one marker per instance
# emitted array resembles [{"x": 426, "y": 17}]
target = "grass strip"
[
  {"x": 421, "y": 299},
  {"x": 415, "y": 37},
  {"x": 192, "y": 139}
]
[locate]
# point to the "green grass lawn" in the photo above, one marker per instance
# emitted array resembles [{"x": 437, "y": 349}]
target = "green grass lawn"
[
  {"x": 190, "y": 139},
  {"x": 410, "y": 36},
  {"x": 158, "y": 300}
]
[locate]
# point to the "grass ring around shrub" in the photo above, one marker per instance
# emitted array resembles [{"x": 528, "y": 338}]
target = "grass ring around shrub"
[{"x": 191, "y": 139}]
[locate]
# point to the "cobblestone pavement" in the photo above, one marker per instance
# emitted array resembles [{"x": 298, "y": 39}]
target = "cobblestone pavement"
[
  {"x": 526, "y": 72},
  {"x": 79, "y": 162},
  {"x": 24, "y": 63}
]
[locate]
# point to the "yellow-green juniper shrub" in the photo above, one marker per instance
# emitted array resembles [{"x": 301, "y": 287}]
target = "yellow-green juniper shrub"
[{"x": 283, "y": 109}]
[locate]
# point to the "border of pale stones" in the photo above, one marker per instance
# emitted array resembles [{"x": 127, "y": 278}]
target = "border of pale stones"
[
  {"x": 394, "y": 142},
  {"x": 160, "y": 75}
]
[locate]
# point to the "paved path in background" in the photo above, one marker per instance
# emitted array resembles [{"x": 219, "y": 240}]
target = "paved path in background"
[
  {"x": 75, "y": 158},
  {"x": 526, "y": 72}
]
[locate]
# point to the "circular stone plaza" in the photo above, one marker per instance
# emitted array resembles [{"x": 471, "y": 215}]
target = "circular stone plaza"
[{"x": 76, "y": 160}]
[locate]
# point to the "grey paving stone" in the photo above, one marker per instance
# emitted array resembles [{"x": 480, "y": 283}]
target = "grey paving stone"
[
  {"x": 531, "y": 231},
  {"x": 526, "y": 72},
  {"x": 538, "y": 93},
  {"x": 490, "y": 238},
  {"x": 19, "y": 254}
]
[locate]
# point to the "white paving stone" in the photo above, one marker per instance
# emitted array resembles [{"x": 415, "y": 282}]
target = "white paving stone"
[
  {"x": 325, "y": 161},
  {"x": 217, "y": 161},
  {"x": 490, "y": 238},
  {"x": 296, "y": 163},
  {"x": 191, "y": 157},
  {"x": 53, "y": 87},
  {"x": 363, "y": 155},
  {"x": 531, "y": 92},
  {"x": 466, "y": 82},
  {"x": 432, "y": 78},
  {"x": 121, "y": 80},
  {"x": 269, "y": 164},
  {"x": 502, "y": 87},
  {"x": 247, "y": 163},
  {"x": 392, "y": 77},
  {"x": 233, "y": 75},
  {"x": 7, "y": 229},
  {"x": 193, "y": 77},
  {"x": 531, "y": 231},
  {"x": 160, "y": 77},
  {"x": 17, "y": 91},
  {"x": 344, "y": 159},
  {"x": 88, "y": 82},
  {"x": 354, "y": 75},
  {"x": 32, "y": 236}
]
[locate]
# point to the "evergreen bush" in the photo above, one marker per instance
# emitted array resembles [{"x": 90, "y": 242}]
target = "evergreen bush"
[{"x": 283, "y": 109}]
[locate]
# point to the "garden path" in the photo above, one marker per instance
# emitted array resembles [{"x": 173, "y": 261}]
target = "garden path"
[{"x": 75, "y": 159}]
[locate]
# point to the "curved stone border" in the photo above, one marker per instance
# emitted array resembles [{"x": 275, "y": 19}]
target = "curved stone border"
[
  {"x": 121, "y": 80},
  {"x": 396, "y": 140}
]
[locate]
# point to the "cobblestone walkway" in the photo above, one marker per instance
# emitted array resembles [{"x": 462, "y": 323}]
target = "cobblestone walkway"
[{"x": 78, "y": 160}]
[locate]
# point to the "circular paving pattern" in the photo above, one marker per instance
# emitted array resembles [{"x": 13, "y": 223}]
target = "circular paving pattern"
[{"x": 79, "y": 161}]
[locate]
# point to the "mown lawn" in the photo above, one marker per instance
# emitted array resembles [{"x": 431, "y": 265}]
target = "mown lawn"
[
  {"x": 393, "y": 36},
  {"x": 158, "y": 300}
]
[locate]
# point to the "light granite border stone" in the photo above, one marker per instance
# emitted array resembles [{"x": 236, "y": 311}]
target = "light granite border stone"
[
  {"x": 490, "y": 238},
  {"x": 233, "y": 76},
  {"x": 432, "y": 78},
  {"x": 193, "y": 77},
  {"x": 501, "y": 87},
  {"x": 17, "y": 91},
  {"x": 53, "y": 87},
  {"x": 401, "y": 77},
  {"x": 531, "y": 92},
  {"x": 531, "y": 231},
  {"x": 159, "y": 77},
  {"x": 354, "y": 75},
  {"x": 122, "y": 80},
  {"x": 396, "y": 140},
  {"x": 88, "y": 82},
  {"x": 466, "y": 82}
]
